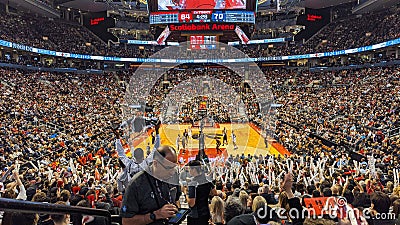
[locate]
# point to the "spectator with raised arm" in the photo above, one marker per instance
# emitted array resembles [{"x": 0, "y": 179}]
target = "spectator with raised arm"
[
  {"x": 21, "y": 187},
  {"x": 135, "y": 165}
]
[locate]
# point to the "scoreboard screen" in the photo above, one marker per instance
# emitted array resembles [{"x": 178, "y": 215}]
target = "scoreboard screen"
[
  {"x": 203, "y": 4},
  {"x": 202, "y": 16},
  {"x": 203, "y": 42},
  {"x": 185, "y": 5}
]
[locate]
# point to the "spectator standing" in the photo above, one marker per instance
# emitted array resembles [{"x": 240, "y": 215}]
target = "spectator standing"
[{"x": 199, "y": 189}]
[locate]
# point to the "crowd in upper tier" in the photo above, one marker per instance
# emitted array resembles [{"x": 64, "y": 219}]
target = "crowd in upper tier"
[{"x": 342, "y": 33}]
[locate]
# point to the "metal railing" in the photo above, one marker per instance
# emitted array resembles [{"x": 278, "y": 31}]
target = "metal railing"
[
  {"x": 12, "y": 205},
  {"x": 329, "y": 143},
  {"x": 53, "y": 126},
  {"x": 393, "y": 132},
  {"x": 45, "y": 7}
]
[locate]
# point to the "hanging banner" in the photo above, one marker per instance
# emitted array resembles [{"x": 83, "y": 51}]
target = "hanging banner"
[
  {"x": 163, "y": 36},
  {"x": 243, "y": 37}
]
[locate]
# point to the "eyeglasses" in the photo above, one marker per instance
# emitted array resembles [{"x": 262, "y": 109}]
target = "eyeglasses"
[{"x": 167, "y": 167}]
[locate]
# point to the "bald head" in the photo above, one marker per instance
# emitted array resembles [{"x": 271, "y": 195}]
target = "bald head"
[
  {"x": 165, "y": 162},
  {"x": 168, "y": 153}
]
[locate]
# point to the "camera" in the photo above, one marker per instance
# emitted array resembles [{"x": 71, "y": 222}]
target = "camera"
[{"x": 151, "y": 121}]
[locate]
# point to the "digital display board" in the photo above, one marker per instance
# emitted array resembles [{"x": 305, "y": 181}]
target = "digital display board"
[
  {"x": 22, "y": 47},
  {"x": 311, "y": 17},
  {"x": 203, "y": 42},
  {"x": 200, "y": 4},
  {"x": 203, "y": 106},
  {"x": 201, "y": 27},
  {"x": 313, "y": 20},
  {"x": 202, "y": 16},
  {"x": 98, "y": 23}
]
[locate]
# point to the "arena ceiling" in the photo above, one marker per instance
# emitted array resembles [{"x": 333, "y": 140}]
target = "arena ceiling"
[
  {"x": 318, "y": 4},
  {"x": 30, "y": 7},
  {"x": 102, "y": 5},
  {"x": 87, "y": 5}
]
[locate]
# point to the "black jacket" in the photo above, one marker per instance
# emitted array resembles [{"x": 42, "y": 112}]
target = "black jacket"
[
  {"x": 383, "y": 222},
  {"x": 245, "y": 219}
]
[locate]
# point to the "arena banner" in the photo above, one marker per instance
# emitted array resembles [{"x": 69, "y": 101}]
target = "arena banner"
[
  {"x": 9, "y": 44},
  {"x": 22, "y": 47},
  {"x": 242, "y": 36},
  {"x": 139, "y": 42},
  {"x": 262, "y": 41},
  {"x": 163, "y": 36},
  {"x": 319, "y": 206},
  {"x": 6, "y": 43},
  {"x": 233, "y": 43}
]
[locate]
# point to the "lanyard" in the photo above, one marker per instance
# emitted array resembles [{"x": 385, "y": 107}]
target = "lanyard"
[
  {"x": 160, "y": 193},
  {"x": 255, "y": 220}
]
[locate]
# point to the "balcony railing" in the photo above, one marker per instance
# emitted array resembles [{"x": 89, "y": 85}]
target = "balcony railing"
[{"x": 12, "y": 205}]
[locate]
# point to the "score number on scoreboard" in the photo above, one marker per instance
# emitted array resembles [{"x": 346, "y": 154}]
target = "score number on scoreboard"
[
  {"x": 201, "y": 17},
  {"x": 185, "y": 17},
  {"x": 218, "y": 17}
]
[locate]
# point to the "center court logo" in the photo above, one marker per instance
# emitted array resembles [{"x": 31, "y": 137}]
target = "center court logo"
[{"x": 241, "y": 90}]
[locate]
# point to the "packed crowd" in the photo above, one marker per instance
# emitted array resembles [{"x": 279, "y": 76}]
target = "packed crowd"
[
  {"x": 57, "y": 144},
  {"x": 216, "y": 90},
  {"x": 56, "y": 113},
  {"x": 356, "y": 108},
  {"x": 19, "y": 30},
  {"x": 48, "y": 34},
  {"x": 57, "y": 35},
  {"x": 339, "y": 35},
  {"x": 215, "y": 110}
]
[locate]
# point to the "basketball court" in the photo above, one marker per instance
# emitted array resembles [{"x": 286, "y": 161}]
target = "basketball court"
[{"x": 248, "y": 140}]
